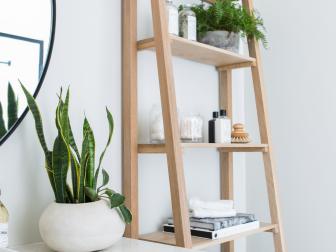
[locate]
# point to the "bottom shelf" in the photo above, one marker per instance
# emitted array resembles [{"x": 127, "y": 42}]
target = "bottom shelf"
[{"x": 200, "y": 243}]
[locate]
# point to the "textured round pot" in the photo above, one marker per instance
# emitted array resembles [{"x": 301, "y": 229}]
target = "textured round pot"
[
  {"x": 80, "y": 227},
  {"x": 222, "y": 39}
]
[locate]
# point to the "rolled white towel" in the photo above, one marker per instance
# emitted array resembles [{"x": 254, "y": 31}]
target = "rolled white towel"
[
  {"x": 208, "y": 213},
  {"x": 195, "y": 203}
]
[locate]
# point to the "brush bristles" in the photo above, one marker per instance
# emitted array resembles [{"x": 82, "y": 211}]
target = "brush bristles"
[{"x": 240, "y": 139}]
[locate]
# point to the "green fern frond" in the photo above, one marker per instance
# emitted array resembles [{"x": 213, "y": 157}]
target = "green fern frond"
[{"x": 229, "y": 15}]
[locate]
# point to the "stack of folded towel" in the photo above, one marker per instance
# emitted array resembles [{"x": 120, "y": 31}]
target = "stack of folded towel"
[
  {"x": 215, "y": 219},
  {"x": 211, "y": 209}
]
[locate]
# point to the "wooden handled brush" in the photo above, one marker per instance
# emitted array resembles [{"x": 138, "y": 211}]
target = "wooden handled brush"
[{"x": 239, "y": 135}]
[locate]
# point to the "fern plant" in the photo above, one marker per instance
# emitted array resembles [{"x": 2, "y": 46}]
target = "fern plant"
[
  {"x": 229, "y": 15},
  {"x": 12, "y": 111},
  {"x": 65, "y": 158}
]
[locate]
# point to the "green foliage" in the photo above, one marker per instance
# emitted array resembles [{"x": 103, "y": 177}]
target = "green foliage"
[
  {"x": 12, "y": 108},
  {"x": 12, "y": 111},
  {"x": 229, "y": 15},
  {"x": 66, "y": 157},
  {"x": 3, "y": 129}
]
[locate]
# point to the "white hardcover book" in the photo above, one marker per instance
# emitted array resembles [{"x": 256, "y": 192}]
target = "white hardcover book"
[
  {"x": 221, "y": 233},
  {"x": 235, "y": 229}
]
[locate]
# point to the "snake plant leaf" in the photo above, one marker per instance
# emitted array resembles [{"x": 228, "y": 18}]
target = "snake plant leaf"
[
  {"x": 40, "y": 133},
  {"x": 61, "y": 168},
  {"x": 64, "y": 116},
  {"x": 70, "y": 198},
  {"x": 37, "y": 117},
  {"x": 12, "y": 107},
  {"x": 60, "y": 164},
  {"x": 75, "y": 177},
  {"x": 50, "y": 172},
  {"x": 111, "y": 128},
  {"x": 3, "y": 129},
  {"x": 83, "y": 165},
  {"x": 72, "y": 142},
  {"x": 62, "y": 123},
  {"x": 65, "y": 122},
  {"x": 62, "y": 128},
  {"x": 96, "y": 178},
  {"x": 91, "y": 194},
  {"x": 90, "y": 149},
  {"x": 117, "y": 200},
  {"x": 125, "y": 214}
]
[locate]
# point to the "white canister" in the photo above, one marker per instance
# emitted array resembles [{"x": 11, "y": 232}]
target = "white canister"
[
  {"x": 191, "y": 129},
  {"x": 223, "y": 128},
  {"x": 173, "y": 17}
]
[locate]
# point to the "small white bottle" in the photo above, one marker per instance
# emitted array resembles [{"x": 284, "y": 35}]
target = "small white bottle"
[
  {"x": 4, "y": 216},
  {"x": 223, "y": 128},
  {"x": 173, "y": 18},
  {"x": 188, "y": 23}
]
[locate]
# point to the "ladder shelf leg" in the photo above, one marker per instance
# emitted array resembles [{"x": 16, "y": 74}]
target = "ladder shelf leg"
[
  {"x": 172, "y": 136},
  {"x": 130, "y": 127},
  {"x": 226, "y": 158},
  {"x": 269, "y": 165}
]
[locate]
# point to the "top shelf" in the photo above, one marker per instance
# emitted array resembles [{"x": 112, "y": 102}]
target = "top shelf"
[{"x": 201, "y": 53}]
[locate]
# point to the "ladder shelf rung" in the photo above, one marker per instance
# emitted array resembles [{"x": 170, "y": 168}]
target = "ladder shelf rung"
[
  {"x": 201, "y": 243},
  {"x": 160, "y": 148},
  {"x": 202, "y": 53}
]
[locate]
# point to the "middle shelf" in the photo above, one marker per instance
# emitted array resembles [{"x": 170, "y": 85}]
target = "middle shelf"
[
  {"x": 201, "y": 53},
  {"x": 160, "y": 148}
]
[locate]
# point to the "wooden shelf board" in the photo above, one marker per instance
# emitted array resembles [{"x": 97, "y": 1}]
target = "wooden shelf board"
[
  {"x": 201, "y": 243},
  {"x": 160, "y": 148},
  {"x": 201, "y": 53}
]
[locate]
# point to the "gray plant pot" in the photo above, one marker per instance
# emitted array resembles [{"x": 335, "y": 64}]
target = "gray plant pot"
[{"x": 222, "y": 39}]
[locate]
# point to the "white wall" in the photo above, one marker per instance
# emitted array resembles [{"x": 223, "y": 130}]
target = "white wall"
[
  {"x": 87, "y": 56},
  {"x": 300, "y": 76}
]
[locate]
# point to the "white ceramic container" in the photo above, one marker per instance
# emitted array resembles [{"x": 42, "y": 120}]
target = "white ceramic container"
[
  {"x": 222, "y": 39},
  {"x": 80, "y": 227}
]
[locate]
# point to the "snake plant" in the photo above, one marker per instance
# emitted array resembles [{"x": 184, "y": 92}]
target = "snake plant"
[
  {"x": 65, "y": 158},
  {"x": 12, "y": 111}
]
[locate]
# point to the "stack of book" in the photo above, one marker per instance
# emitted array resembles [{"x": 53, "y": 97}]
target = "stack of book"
[{"x": 216, "y": 228}]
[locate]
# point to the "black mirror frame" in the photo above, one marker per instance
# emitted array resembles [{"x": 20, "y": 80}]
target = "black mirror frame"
[{"x": 45, "y": 70}]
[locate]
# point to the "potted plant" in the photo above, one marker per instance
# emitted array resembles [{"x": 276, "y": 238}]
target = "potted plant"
[
  {"x": 225, "y": 21},
  {"x": 85, "y": 216}
]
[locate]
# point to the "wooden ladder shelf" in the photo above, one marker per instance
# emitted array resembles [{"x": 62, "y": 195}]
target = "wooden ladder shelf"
[{"x": 166, "y": 46}]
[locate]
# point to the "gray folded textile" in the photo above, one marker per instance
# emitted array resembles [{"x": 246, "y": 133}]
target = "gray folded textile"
[{"x": 215, "y": 224}]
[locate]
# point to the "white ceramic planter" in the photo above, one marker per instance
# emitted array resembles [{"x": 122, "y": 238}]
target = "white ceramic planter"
[
  {"x": 80, "y": 227},
  {"x": 222, "y": 39}
]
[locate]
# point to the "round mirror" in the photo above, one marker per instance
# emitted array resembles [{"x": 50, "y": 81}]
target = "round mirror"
[{"x": 27, "y": 29}]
